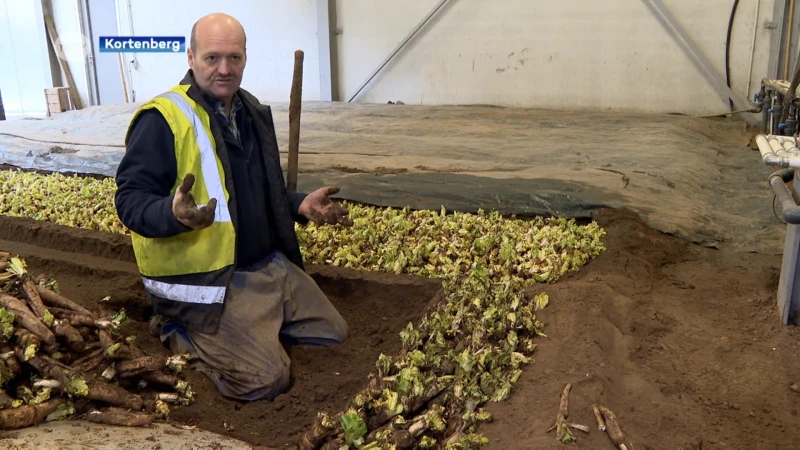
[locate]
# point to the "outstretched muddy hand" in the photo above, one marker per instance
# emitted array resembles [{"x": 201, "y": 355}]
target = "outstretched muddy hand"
[
  {"x": 186, "y": 210},
  {"x": 320, "y": 209}
]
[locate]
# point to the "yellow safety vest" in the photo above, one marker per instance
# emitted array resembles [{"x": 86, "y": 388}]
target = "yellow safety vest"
[{"x": 197, "y": 253}]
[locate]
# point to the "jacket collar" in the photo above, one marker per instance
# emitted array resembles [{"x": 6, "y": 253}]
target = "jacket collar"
[{"x": 210, "y": 103}]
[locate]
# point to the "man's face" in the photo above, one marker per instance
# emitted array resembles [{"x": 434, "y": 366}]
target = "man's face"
[{"x": 218, "y": 64}]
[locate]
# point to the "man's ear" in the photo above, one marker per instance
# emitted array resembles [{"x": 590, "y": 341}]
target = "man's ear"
[{"x": 189, "y": 56}]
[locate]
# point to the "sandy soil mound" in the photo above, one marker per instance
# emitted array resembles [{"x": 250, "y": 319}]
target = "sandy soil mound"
[{"x": 683, "y": 343}]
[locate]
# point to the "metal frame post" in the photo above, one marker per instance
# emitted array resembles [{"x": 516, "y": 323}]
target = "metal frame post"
[
  {"x": 775, "y": 43},
  {"x": 326, "y": 54},
  {"x": 700, "y": 61},
  {"x": 789, "y": 282},
  {"x": 400, "y": 46}
]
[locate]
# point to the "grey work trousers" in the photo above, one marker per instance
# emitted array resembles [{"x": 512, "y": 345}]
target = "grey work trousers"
[{"x": 245, "y": 358}]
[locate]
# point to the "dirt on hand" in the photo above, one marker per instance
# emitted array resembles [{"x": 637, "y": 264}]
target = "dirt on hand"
[{"x": 186, "y": 210}]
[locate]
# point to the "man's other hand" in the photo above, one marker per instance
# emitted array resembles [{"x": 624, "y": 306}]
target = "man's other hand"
[
  {"x": 186, "y": 210},
  {"x": 320, "y": 209}
]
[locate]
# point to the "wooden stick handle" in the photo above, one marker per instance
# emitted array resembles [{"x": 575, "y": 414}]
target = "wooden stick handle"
[
  {"x": 50, "y": 27},
  {"x": 122, "y": 77},
  {"x": 294, "y": 120}
]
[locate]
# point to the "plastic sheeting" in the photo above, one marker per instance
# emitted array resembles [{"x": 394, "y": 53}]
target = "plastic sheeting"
[{"x": 695, "y": 178}]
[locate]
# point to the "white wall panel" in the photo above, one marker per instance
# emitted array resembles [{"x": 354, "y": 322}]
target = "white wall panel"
[
  {"x": 275, "y": 29},
  {"x": 611, "y": 55}
]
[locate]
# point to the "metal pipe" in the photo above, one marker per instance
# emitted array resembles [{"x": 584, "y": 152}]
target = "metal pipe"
[
  {"x": 796, "y": 59},
  {"x": 791, "y": 122},
  {"x": 764, "y": 148},
  {"x": 789, "y": 21},
  {"x": 779, "y": 146},
  {"x": 729, "y": 113},
  {"x": 326, "y": 10},
  {"x": 765, "y": 97},
  {"x": 791, "y": 211},
  {"x": 779, "y": 86},
  {"x": 400, "y": 46},
  {"x": 780, "y": 151},
  {"x": 786, "y": 174},
  {"x": 679, "y": 35},
  {"x": 777, "y": 112},
  {"x": 752, "y": 51},
  {"x": 764, "y": 120}
]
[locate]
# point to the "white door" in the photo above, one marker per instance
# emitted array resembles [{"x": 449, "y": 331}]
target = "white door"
[{"x": 103, "y": 22}]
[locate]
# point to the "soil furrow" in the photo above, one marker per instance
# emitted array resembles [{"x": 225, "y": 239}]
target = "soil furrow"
[{"x": 90, "y": 266}]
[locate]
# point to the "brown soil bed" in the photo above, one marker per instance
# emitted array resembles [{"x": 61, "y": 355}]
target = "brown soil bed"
[
  {"x": 376, "y": 305},
  {"x": 682, "y": 342}
]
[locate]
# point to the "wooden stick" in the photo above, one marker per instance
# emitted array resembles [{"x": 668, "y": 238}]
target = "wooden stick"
[
  {"x": 122, "y": 77},
  {"x": 62, "y": 59},
  {"x": 294, "y": 120}
]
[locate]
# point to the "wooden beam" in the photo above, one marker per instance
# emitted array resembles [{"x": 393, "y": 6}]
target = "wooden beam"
[
  {"x": 122, "y": 77},
  {"x": 50, "y": 24}
]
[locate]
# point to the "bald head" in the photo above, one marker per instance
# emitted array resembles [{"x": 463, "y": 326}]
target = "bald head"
[
  {"x": 217, "y": 55},
  {"x": 215, "y": 25}
]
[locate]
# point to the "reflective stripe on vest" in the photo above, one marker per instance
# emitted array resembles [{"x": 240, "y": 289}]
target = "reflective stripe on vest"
[
  {"x": 185, "y": 293},
  {"x": 207, "y": 157}
]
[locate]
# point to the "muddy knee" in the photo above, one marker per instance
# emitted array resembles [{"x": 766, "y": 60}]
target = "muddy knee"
[
  {"x": 286, "y": 376},
  {"x": 342, "y": 329},
  {"x": 264, "y": 380},
  {"x": 271, "y": 385},
  {"x": 281, "y": 383}
]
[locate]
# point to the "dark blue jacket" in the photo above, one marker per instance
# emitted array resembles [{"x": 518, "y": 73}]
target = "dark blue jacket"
[{"x": 263, "y": 210}]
